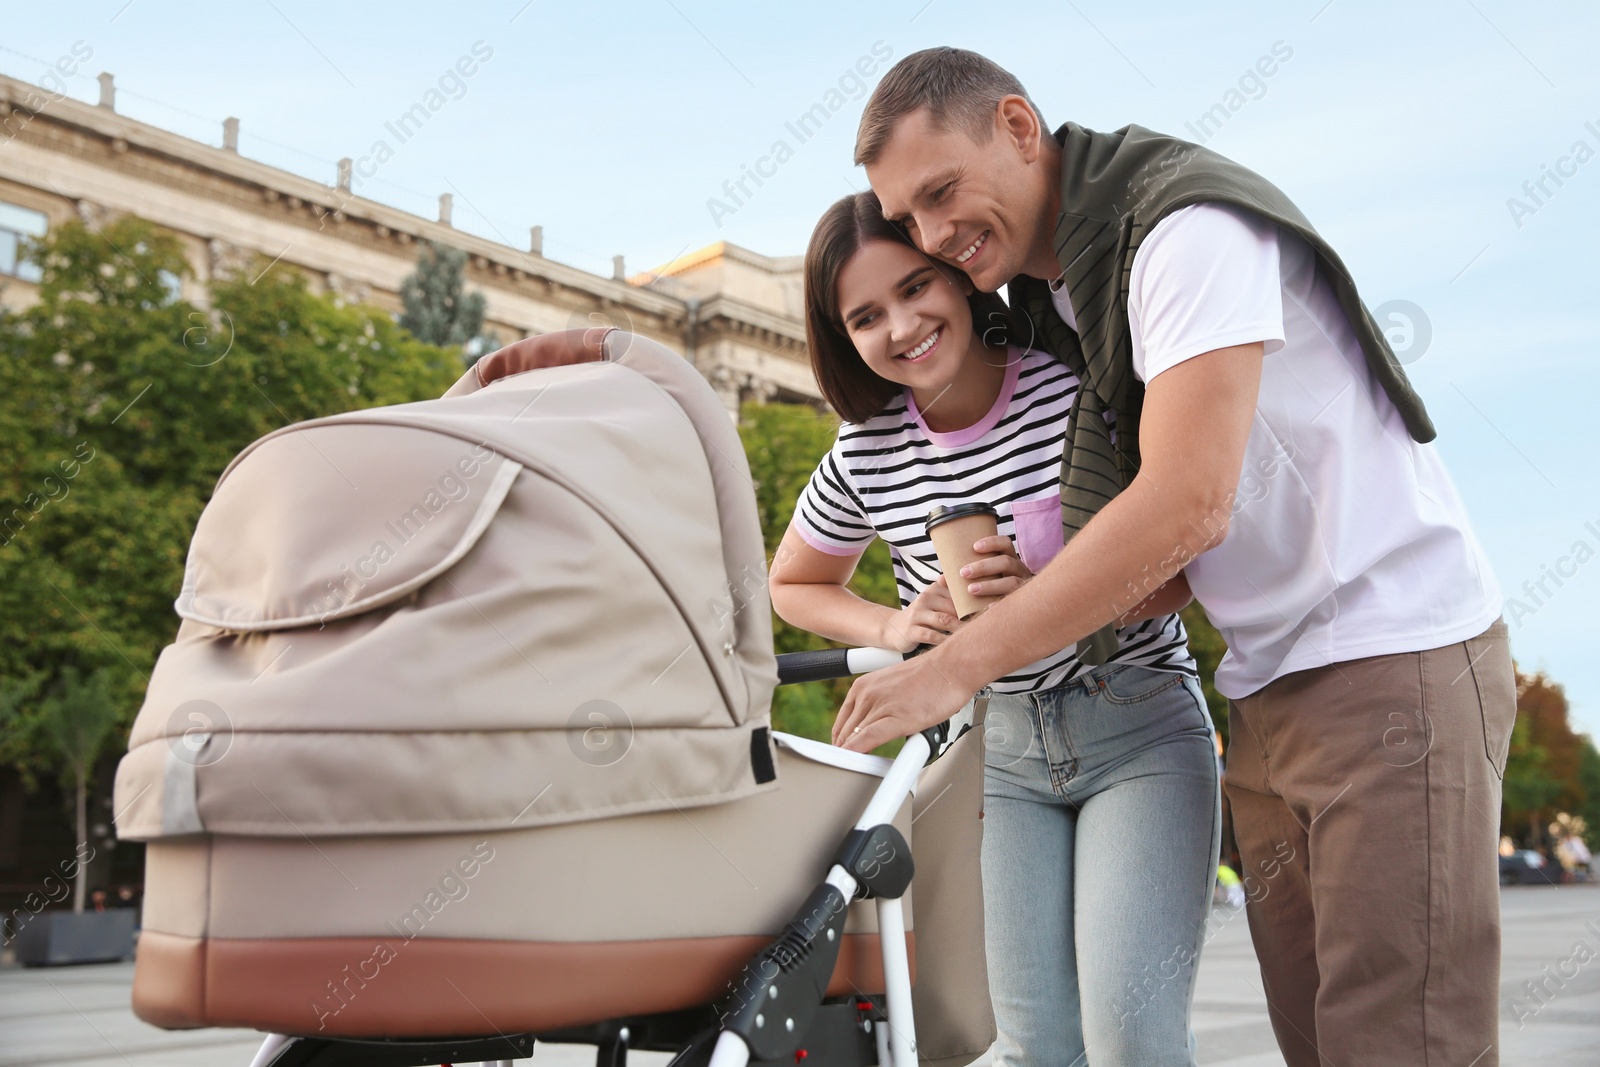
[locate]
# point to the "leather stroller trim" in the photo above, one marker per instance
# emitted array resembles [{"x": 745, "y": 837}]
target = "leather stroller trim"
[{"x": 431, "y": 987}]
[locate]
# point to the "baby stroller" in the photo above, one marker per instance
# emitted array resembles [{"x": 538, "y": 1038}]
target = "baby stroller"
[{"x": 464, "y": 744}]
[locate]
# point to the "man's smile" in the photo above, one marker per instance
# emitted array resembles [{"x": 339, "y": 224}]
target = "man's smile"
[{"x": 972, "y": 249}]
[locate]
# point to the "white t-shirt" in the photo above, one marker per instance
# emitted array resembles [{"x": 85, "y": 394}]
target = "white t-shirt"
[
  {"x": 882, "y": 477},
  {"x": 1347, "y": 537}
]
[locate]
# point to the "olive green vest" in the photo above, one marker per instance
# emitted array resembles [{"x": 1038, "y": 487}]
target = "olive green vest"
[{"x": 1115, "y": 187}]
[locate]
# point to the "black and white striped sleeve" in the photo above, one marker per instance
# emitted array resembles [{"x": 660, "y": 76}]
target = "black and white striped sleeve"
[{"x": 829, "y": 516}]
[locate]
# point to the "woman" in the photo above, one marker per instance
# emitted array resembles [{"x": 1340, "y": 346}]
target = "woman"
[{"x": 1101, "y": 817}]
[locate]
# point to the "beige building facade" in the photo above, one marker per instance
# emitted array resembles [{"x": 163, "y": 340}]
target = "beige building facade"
[{"x": 735, "y": 314}]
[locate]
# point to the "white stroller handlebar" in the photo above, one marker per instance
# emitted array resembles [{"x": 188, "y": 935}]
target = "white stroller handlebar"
[
  {"x": 897, "y": 1035},
  {"x": 897, "y": 1045}
]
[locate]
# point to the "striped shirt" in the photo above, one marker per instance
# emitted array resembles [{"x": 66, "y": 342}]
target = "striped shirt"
[{"x": 882, "y": 477}]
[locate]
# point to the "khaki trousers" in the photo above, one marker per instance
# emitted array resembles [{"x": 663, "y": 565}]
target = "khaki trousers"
[{"x": 1366, "y": 805}]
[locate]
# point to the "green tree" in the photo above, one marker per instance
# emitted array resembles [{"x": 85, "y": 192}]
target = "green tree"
[
  {"x": 1544, "y": 773},
  {"x": 72, "y": 721},
  {"x": 438, "y": 309},
  {"x": 1527, "y": 787},
  {"x": 1208, "y": 647},
  {"x": 120, "y": 404},
  {"x": 1589, "y": 780},
  {"x": 784, "y": 443}
]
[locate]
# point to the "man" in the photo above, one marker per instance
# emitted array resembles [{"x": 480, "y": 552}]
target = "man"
[{"x": 1242, "y": 421}]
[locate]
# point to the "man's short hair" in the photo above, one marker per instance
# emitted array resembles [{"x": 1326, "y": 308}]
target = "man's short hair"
[{"x": 959, "y": 88}]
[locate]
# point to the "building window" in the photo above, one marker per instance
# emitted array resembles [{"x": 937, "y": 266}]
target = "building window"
[{"x": 17, "y": 224}]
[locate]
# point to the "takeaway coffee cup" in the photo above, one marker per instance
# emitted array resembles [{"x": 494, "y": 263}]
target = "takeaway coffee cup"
[{"x": 954, "y": 530}]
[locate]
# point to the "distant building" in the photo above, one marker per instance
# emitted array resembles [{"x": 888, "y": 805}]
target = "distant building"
[{"x": 735, "y": 314}]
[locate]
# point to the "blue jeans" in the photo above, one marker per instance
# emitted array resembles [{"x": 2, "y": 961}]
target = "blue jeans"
[{"x": 1101, "y": 826}]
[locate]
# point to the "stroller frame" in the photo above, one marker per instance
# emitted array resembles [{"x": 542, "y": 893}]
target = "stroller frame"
[{"x": 776, "y": 1012}]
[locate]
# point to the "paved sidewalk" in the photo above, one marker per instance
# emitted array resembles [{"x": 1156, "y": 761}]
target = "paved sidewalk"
[{"x": 80, "y": 1015}]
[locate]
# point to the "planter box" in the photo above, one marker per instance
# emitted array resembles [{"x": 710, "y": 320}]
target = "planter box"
[{"x": 57, "y": 937}]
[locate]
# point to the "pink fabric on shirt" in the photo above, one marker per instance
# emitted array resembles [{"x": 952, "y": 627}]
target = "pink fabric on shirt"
[{"x": 969, "y": 434}]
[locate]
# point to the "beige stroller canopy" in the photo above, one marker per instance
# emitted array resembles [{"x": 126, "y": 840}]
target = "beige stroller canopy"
[{"x": 392, "y": 617}]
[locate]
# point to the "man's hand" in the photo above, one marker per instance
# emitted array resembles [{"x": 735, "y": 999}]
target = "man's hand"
[
  {"x": 896, "y": 702},
  {"x": 558, "y": 349},
  {"x": 899, "y": 701}
]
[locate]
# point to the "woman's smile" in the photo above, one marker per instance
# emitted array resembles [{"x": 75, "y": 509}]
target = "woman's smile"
[{"x": 922, "y": 349}]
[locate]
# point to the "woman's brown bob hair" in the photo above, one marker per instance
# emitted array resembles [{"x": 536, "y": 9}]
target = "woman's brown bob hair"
[{"x": 855, "y": 392}]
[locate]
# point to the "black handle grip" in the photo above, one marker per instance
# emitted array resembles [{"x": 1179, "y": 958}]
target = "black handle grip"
[{"x": 796, "y": 667}]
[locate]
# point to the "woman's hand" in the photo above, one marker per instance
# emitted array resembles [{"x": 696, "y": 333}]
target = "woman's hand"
[
  {"x": 999, "y": 572},
  {"x": 927, "y": 620}
]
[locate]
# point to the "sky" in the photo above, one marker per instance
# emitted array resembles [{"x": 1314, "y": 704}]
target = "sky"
[{"x": 1450, "y": 151}]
